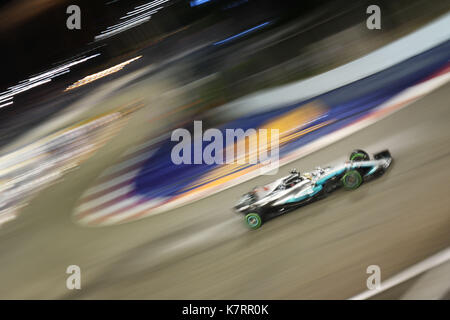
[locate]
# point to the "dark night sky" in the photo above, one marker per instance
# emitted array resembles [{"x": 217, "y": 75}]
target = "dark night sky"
[
  {"x": 33, "y": 33},
  {"x": 39, "y": 38}
]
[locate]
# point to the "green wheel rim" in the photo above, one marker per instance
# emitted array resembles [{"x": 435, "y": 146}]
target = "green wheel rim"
[
  {"x": 356, "y": 156},
  {"x": 352, "y": 179},
  {"x": 253, "y": 220}
]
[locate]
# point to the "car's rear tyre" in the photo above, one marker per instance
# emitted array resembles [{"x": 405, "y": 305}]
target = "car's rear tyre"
[
  {"x": 359, "y": 155},
  {"x": 253, "y": 221},
  {"x": 351, "y": 180}
]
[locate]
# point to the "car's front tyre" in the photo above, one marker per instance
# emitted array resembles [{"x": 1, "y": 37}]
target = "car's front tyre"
[{"x": 253, "y": 220}]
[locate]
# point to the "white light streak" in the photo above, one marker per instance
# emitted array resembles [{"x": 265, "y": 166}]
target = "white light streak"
[
  {"x": 40, "y": 79},
  {"x": 5, "y": 104},
  {"x": 118, "y": 30},
  {"x": 131, "y": 20},
  {"x": 151, "y": 5}
]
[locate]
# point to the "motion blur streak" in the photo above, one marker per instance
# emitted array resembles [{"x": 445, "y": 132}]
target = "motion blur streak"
[
  {"x": 101, "y": 74},
  {"x": 41, "y": 78},
  {"x": 243, "y": 33},
  {"x": 133, "y": 21},
  {"x": 5, "y": 104},
  {"x": 30, "y": 169}
]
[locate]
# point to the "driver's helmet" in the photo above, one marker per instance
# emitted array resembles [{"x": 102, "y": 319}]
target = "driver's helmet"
[
  {"x": 309, "y": 175},
  {"x": 294, "y": 171}
]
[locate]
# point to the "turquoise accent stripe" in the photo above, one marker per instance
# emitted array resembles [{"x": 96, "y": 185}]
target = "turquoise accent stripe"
[
  {"x": 371, "y": 171},
  {"x": 374, "y": 168},
  {"x": 297, "y": 199},
  {"x": 324, "y": 179}
]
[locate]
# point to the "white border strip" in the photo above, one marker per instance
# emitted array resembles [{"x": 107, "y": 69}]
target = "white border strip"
[{"x": 409, "y": 273}]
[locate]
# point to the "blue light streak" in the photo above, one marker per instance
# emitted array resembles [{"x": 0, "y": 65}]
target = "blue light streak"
[{"x": 262, "y": 25}]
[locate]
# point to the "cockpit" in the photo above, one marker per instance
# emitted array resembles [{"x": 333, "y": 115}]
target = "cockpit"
[{"x": 291, "y": 180}]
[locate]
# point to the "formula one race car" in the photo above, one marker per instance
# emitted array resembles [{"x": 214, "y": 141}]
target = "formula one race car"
[{"x": 296, "y": 189}]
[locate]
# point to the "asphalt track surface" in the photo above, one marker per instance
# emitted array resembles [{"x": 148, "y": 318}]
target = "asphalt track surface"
[{"x": 203, "y": 250}]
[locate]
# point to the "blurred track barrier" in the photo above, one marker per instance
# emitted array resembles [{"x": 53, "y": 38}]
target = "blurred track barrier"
[
  {"x": 418, "y": 42},
  {"x": 146, "y": 182},
  {"x": 28, "y": 170}
]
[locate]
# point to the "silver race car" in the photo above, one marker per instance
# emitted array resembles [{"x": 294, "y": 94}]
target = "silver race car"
[{"x": 297, "y": 189}]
